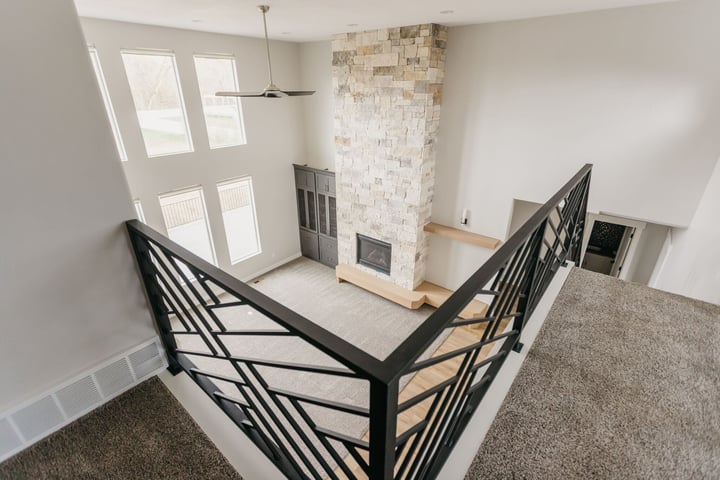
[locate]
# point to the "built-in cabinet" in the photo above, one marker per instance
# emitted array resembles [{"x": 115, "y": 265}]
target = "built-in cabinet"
[{"x": 317, "y": 214}]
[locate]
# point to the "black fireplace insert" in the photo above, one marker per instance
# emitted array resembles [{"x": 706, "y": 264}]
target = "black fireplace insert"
[{"x": 373, "y": 253}]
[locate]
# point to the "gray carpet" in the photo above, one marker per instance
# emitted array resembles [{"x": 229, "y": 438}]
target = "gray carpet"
[
  {"x": 143, "y": 433},
  {"x": 623, "y": 382}
]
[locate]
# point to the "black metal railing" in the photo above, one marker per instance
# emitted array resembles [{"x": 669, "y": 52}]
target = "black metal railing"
[{"x": 265, "y": 365}]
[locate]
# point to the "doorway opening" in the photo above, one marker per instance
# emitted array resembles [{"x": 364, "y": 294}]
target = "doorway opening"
[{"x": 608, "y": 247}]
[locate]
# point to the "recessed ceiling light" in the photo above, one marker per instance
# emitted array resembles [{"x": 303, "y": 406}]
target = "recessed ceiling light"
[
  {"x": 196, "y": 20},
  {"x": 284, "y": 33},
  {"x": 447, "y": 12},
  {"x": 352, "y": 24}
]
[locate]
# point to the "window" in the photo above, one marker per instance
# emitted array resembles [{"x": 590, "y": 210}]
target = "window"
[
  {"x": 238, "y": 211},
  {"x": 223, "y": 115},
  {"x": 139, "y": 211},
  {"x": 155, "y": 89},
  {"x": 108, "y": 105},
  {"x": 186, "y": 221}
]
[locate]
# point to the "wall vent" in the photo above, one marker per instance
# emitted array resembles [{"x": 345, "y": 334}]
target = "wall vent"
[
  {"x": 9, "y": 440},
  {"x": 79, "y": 396},
  {"x": 114, "y": 377},
  {"x": 39, "y": 417},
  {"x": 146, "y": 360}
]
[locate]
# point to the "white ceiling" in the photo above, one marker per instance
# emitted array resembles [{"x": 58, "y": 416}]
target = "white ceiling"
[{"x": 307, "y": 20}]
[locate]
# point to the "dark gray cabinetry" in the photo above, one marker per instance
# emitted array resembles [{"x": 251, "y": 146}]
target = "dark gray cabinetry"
[{"x": 317, "y": 216}]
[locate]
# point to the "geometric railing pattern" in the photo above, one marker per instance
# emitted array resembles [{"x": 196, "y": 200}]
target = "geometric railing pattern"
[{"x": 266, "y": 366}]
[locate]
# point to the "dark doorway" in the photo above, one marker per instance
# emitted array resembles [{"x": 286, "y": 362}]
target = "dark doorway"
[{"x": 607, "y": 248}]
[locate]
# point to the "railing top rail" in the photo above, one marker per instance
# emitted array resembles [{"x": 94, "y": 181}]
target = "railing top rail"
[
  {"x": 409, "y": 350},
  {"x": 337, "y": 348}
]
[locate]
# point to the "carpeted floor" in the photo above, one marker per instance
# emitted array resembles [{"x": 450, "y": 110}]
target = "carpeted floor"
[
  {"x": 142, "y": 434},
  {"x": 623, "y": 382},
  {"x": 368, "y": 321}
]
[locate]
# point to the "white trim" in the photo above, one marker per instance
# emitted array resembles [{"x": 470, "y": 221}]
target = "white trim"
[
  {"x": 8, "y": 414},
  {"x": 468, "y": 444}
]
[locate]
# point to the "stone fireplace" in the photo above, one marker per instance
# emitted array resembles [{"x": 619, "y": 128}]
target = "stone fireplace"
[{"x": 388, "y": 90}]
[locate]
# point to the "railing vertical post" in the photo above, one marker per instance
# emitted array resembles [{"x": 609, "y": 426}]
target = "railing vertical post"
[
  {"x": 157, "y": 306},
  {"x": 383, "y": 424},
  {"x": 524, "y": 303},
  {"x": 581, "y": 223}
]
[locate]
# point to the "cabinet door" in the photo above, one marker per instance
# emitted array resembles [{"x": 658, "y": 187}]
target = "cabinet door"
[
  {"x": 307, "y": 214},
  {"x": 323, "y": 223},
  {"x": 309, "y": 245},
  {"x": 311, "y": 210},
  {"x": 304, "y": 179},
  {"x": 328, "y": 251},
  {"x": 325, "y": 183},
  {"x": 302, "y": 208},
  {"x": 332, "y": 217}
]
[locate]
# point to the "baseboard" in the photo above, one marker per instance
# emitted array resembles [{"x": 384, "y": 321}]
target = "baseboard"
[
  {"x": 275, "y": 265},
  {"x": 35, "y": 419}
]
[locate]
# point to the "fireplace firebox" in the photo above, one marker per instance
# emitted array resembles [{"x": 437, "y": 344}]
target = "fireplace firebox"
[{"x": 374, "y": 253}]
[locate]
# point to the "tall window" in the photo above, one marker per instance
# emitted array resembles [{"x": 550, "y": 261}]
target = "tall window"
[
  {"x": 139, "y": 210},
  {"x": 108, "y": 104},
  {"x": 238, "y": 211},
  {"x": 223, "y": 115},
  {"x": 155, "y": 88},
  {"x": 186, "y": 221}
]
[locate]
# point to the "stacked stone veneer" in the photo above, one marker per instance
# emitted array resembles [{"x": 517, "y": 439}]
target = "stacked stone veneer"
[{"x": 388, "y": 90}]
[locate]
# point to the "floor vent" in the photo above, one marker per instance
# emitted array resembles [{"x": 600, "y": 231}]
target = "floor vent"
[{"x": 43, "y": 415}]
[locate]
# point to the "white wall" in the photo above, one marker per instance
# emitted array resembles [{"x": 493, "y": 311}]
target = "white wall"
[
  {"x": 692, "y": 267},
  {"x": 70, "y": 295},
  {"x": 274, "y": 130},
  {"x": 521, "y": 213},
  {"x": 650, "y": 244},
  {"x": 316, "y": 61},
  {"x": 635, "y": 91}
]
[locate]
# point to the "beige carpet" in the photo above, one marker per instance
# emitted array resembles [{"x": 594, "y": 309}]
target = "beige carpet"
[
  {"x": 142, "y": 434},
  {"x": 368, "y": 321},
  {"x": 623, "y": 382}
]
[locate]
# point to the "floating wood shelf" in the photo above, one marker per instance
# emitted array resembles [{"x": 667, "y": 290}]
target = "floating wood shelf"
[
  {"x": 427, "y": 292},
  {"x": 462, "y": 235},
  {"x": 384, "y": 288}
]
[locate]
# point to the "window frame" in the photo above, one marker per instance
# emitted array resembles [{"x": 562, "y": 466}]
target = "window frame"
[
  {"x": 178, "y": 83},
  {"x": 208, "y": 229},
  {"x": 236, "y": 81},
  {"x": 139, "y": 210},
  {"x": 105, "y": 94},
  {"x": 231, "y": 181}
]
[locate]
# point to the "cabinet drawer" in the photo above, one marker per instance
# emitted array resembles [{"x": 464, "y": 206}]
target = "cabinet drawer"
[
  {"x": 309, "y": 245},
  {"x": 328, "y": 251}
]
